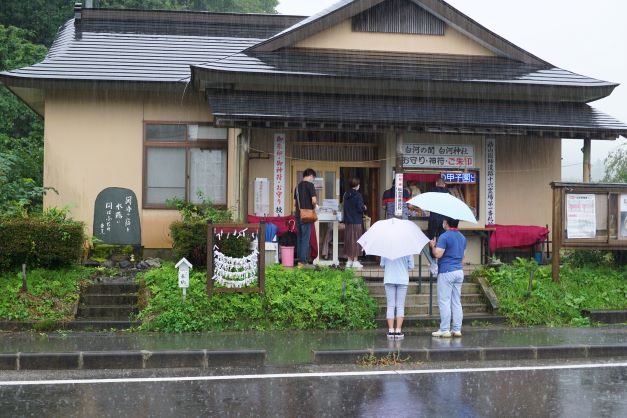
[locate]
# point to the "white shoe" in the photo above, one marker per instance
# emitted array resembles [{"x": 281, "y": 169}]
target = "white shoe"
[
  {"x": 441, "y": 334},
  {"x": 456, "y": 333},
  {"x": 357, "y": 265},
  {"x": 349, "y": 264}
]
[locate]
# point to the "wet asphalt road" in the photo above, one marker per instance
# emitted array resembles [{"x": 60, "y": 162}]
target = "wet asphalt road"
[{"x": 533, "y": 389}]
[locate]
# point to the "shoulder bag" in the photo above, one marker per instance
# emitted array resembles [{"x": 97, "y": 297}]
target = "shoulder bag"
[{"x": 306, "y": 215}]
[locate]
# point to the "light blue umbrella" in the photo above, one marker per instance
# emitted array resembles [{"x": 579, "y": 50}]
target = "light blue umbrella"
[
  {"x": 393, "y": 238},
  {"x": 445, "y": 204}
]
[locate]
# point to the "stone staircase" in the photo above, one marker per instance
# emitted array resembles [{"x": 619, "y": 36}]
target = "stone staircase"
[
  {"x": 417, "y": 304},
  {"x": 108, "y": 305}
]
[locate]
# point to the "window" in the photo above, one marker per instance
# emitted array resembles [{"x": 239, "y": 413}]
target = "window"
[
  {"x": 461, "y": 184},
  {"x": 180, "y": 160}
]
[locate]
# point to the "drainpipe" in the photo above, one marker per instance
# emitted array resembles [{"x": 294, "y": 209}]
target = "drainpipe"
[
  {"x": 587, "y": 151},
  {"x": 243, "y": 147}
]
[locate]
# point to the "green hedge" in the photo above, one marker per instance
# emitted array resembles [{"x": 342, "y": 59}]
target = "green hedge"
[
  {"x": 39, "y": 243},
  {"x": 293, "y": 299}
]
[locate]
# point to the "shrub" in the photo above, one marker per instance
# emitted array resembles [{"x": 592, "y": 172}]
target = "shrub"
[
  {"x": 581, "y": 258},
  {"x": 49, "y": 240},
  {"x": 293, "y": 299},
  {"x": 554, "y": 304},
  {"x": 189, "y": 236}
]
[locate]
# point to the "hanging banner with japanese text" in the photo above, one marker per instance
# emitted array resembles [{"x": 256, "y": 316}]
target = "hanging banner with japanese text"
[
  {"x": 581, "y": 218},
  {"x": 490, "y": 181},
  {"x": 438, "y": 156},
  {"x": 262, "y": 193},
  {"x": 279, "y": 175}
]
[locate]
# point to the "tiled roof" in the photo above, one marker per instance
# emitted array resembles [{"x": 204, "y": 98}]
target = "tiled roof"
[{"x": 568, "y": 119}]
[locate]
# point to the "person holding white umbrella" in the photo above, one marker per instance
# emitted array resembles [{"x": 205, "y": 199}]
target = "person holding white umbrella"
[
  {"x": 395, "y": 241},
  {"x": 450, "y": 251}
]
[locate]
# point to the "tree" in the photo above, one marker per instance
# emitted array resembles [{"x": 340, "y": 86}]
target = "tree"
[
  {"x": 21, "y": 130},
  {"x": 242, "y": 6},
  {"x": 41, "y": 18},
  {"x": 616, "y": 166}
]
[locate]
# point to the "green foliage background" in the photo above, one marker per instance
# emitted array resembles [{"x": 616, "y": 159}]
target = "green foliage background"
[
  {"x": 555, "y": 304},
  {"x": 293, "y": 299}
]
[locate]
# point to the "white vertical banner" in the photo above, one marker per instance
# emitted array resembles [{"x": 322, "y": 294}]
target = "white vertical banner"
[
  {"x": 398, "y": 195},
  {"x": 279, "y": 175},
  {"x": 490, "y": 177},
  {"x": 262, "y": 197}
]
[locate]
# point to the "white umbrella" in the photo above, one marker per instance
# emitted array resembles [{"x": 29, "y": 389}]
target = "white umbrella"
[
  {"x": 393, "y": 238},
  {"x": 445, "y": 204}
]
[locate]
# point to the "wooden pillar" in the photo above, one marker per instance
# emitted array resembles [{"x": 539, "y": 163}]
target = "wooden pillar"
[
  {"x": 558, "y": 228},
  {"x": 243, "y": 147},
  {"x": 587, "y": 151}
]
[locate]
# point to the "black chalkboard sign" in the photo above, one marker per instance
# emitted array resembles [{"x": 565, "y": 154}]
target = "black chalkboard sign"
[{"x": 116, "y": 217}]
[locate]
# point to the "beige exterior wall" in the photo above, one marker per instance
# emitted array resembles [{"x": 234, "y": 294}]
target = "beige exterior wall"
[
  {"x": 341, "y": 36},
  {"x": 95, "y": 140},
  {"x": 524, "y": 169}
]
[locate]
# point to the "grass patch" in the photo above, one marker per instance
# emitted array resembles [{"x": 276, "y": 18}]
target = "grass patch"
[
  {"x": 51, "y": 294},
  {"x": 556, "y": 304},
  {"x": 293, "y": 299},
  {"x": 391, "y": 359}
]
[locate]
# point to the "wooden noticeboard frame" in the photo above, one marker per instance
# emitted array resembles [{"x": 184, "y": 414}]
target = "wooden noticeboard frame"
[
  {"x": 612, "y": 240},
  {"x": 261, "y": 244}
]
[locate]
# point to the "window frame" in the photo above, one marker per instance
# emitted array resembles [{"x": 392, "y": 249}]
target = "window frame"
[{"x": 187, "y": 145}]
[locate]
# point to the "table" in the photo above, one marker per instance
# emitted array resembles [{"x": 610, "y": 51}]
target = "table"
[{"x": 328, "y": 217}]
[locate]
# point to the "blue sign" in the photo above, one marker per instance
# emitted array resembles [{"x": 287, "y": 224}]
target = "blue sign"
[{"x": 464, "y": 178}]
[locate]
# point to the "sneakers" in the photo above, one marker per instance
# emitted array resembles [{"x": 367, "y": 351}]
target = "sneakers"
[
  {"x": 456, "y": 333},
  {"x": 349, "y": 264},
  {"x": 399, "y": 335},
  {"x": 357, "y": 265},
  {"x": 300, "y": 265},
  {"x": 391, "y": 335},
  {"x": 442, "y": 334}
]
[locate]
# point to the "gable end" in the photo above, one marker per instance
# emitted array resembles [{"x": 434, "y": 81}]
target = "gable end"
[{"x": 398, "y": 16}]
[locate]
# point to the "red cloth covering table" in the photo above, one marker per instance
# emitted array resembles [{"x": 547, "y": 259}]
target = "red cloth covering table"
[
  {"x": 282, "y": 222},
  {"x": 516, "y": 236}
]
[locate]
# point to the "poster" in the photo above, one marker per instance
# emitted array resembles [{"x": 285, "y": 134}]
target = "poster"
[
  {"x": 581, "y": 216},
  {"x": 622, "y": 227},
  {"x": 279, "y": 175},
  {"x": 262, "y": 194}
]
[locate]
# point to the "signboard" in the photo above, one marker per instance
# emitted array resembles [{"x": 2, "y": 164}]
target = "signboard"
[
  {"x": 490, "y": 177},
  {"x": 438, "y": 156},
  {"x": 398, "y": 195},
  {"x": 581, "y": 216},
  {"x": 279, "y": 175},
  {"x": 184, "y": 279},
  {"x": 262, "y": 197},
  {"x": 622, "y": 227},
  {"x": 116, "y": 217},
  {"x": 459, "y": 178}
]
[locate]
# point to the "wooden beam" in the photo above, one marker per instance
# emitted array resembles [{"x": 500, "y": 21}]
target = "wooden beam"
[
  {"x": 558, "y": 197},
  {"x": 587, "y": 151}
]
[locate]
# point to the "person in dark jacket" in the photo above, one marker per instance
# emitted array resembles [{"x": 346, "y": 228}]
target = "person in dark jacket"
[
  {"x": 354, "y": 209},
  {"x": 305, "y": 197},
  {"x": 434, "y": 228}
]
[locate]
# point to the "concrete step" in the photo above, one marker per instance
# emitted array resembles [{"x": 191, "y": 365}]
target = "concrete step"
[
  {"x": 106, "y": 311},
  {"x": 117, "y": 299},
  {"x": 423, "y": 299},
  {"x": 111, "y": 288},
  {"x": 478, "y": 318},
  {"x": 424, "y": 309},
  {"x": 378, "y": 288}
]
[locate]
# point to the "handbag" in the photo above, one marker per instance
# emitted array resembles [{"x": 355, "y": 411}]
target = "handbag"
[{"x": 306, "y": 215}]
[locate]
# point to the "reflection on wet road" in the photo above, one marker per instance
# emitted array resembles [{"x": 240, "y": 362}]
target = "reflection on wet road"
[{"x": 568, "y": 390}]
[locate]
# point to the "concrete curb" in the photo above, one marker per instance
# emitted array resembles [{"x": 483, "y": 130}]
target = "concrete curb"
[
  {"x": 78, "y": 325},
  {"x": 475, "y": 353},
  {"x": 88, "y": 360}
]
